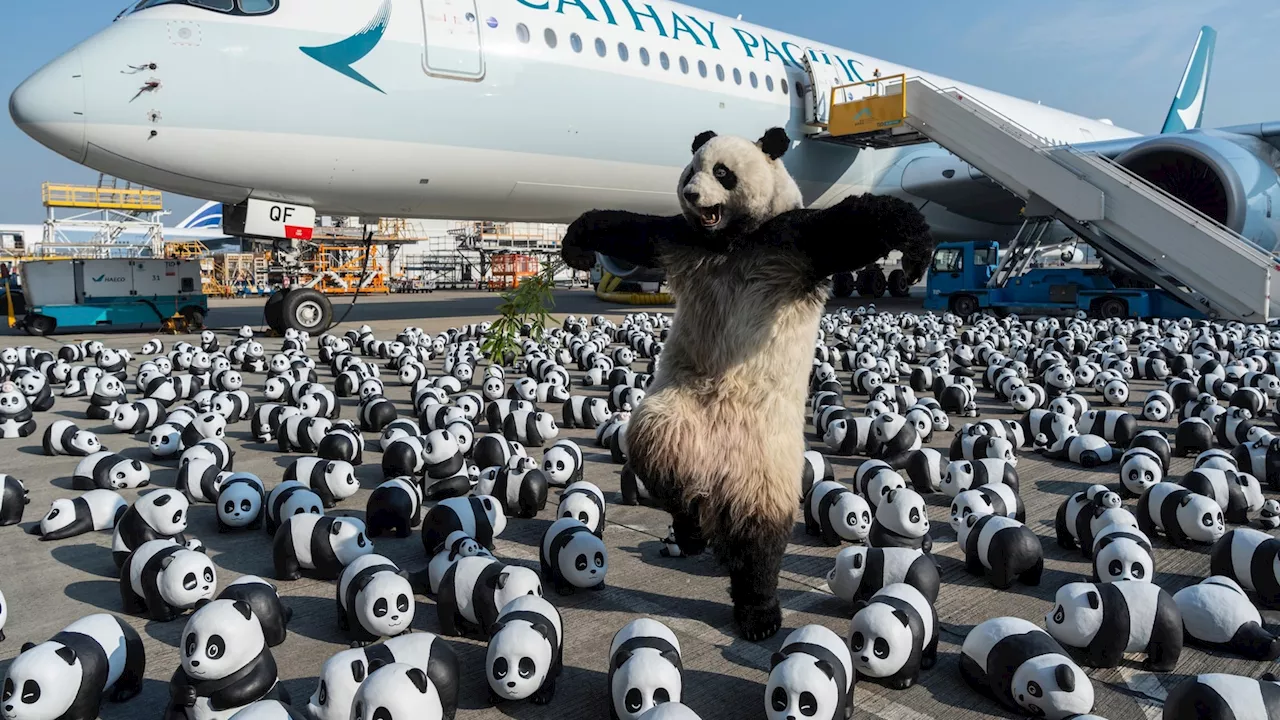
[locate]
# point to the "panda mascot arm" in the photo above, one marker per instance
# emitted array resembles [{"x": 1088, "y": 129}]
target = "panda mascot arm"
[{"x": 633, "y": 237}]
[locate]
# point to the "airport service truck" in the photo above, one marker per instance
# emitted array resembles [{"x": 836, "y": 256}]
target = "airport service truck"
[
  {"x": 116, "y": 293},
  {"x": 960, "y": 280}
]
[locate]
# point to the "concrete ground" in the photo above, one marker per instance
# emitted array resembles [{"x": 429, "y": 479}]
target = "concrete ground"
[{"x": 48, "y": 585}]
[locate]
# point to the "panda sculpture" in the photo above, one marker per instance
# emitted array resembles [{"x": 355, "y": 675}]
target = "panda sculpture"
[
  {"x": 901, "y": 520},
  {"x": 240, "y": 503},
  {"x": 995, "y": 499},
  {"x": 395, "y": 507},
  {"x": 343, "y": 444},
  {"x": 98, "y": 657},
  {"x": 262, "y": 597},
  {"x": 874, "y": 479},
  {"x": 1183, "y": 516},
  {"x": 108, "y": 471},
  {"x": 1087, "y": 451},
  {"x": 926, "y": 468},
  {"x": 529, "y": 427},
  {"x": 860, "y": 572},
  {"x": 332, "y": 480},
  {"x": 810, "y": 676},
  {"x": 1122, "y": 553},
  {"x": 226, "y": 664},
  {"x": 563, "y": 463},
  {"x": 1080, "y": 513},
  {"x": 585, "y": 501},
  {"x": 1260, "y": 458},
  {"x": 1001, "y": 549},
  {"x": 375, "y": 600},
  {"x": 1269, "y": 516},
  {"x": 69, "y": 517},
  {"x": 961, "y": 475},
  {"x": 521, "y": 492},
  {"x": 1024, "y": 669},
  {"x": 1192, "y": 437},
  {"x": 726, "y": 262},
  {"x": 1238, "y": 494},
  {"x": 13, "y": 500},
  {"x": 836, "y": 514},
  {"x": 15, "y": 413},
  {"x": 1115, "y": 426},
  {"x": 526, "y": 651},
  {"x": 893, "y": 636},
  {"x": 290, "y": 498},
  {"x": 320, "y": 545},
  {"x": 155, "y": 515},
  {"x": 164, "y": 579},
  {"x": 474, "y": 590},
  {"x": 1224, "y": 697},
  {"x": 137, "y": 417},
  {"x": 1158, "y": 407},
  {"x": 62, "y": 437},
  {"x": 1106, "y": 621},
  {"x": 480, "y": 517},
  {"x": 573, "y": 557},
  {"x": 344, "y": 673},
  {"x": 457, "y": 545},
  {"x": 1140, "y": 468},
  {"x": 645, "y": 669},
  {"x": 1252, "y": 559},
  {"x": 1216, "y": 614}
]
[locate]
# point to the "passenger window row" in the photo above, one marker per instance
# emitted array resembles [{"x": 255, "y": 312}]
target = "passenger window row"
[{"x": 624, "y": 54}]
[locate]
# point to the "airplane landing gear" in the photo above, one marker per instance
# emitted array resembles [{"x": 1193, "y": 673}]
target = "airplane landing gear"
[
  {"x": 842, "y": 284},
  {"x": 301, "y": 309},
  {"x": 872, "y": 282}
]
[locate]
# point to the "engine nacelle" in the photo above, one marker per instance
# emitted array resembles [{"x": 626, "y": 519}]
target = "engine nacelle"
[{"x": 1229, "y": 177}]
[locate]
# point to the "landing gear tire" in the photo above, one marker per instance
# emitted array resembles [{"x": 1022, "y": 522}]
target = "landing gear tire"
[
  {"x": 872, "y": 283},
  {"x": 271, "y": 312},
  {"x": 306, "y": 310},
  {"x": 842, "y": 284},
  {"x": 963, "y": 305},
  {"x": 41, "y": 325},
  {"x": 898, "y": 285},
  {"x": 1110, "y": 308}
]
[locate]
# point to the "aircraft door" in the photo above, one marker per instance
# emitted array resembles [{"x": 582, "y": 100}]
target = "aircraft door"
[
  {"x": 453, "y": 45},
  {"x": 824, "y": 77}
]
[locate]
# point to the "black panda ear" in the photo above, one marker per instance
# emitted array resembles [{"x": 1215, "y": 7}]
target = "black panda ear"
[
  {"x": 26, "y": 646},
  {"x": 826, "y": 668},
  {"x": 543, "y": 629},
  {"x": 357, "y": 670},
  {"x": 621, "y": 657},
  {"x": 902, "y": 618},
  {"x": 1094, "y": 601},
  {"x": 889, "y": 498},
  {"x": 495, "y": 628},
  {"x": 857, "y": 562},
  {"x": 67, "y": 654},
  {"x": 777, "y": 658},
  {"x": 1065, "y": 677},
  {"x": 1185, "y": 501},
  {"x": 163, "y": 499},
  {"x": 702, "y": 139},
  {"x": 243, "y": 608},
  {"x": 500, "y": 580},
  {"x": 335, "y": 528},
  {"x": 166, "y": 561},
  {"x": 419, "y": 679},
  {"x": 858, "y": 605},
  {"x": 1268, "y": 677},
  {"x": 775, "y": 143}
]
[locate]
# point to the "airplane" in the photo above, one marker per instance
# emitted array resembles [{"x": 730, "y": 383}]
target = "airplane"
[
  {"x": 535, "y": 110},
  {"x": 205, "y": 225}
]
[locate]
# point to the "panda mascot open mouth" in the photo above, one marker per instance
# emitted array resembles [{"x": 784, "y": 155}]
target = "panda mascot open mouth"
[{"x": 719, "y": 435}]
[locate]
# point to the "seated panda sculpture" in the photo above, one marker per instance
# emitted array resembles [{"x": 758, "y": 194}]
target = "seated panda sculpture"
[{"x": 749, "y": 268}]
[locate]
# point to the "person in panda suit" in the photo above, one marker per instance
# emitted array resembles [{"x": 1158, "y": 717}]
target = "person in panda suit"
[
  {"x": 1106, "y": 621},
  {"x": 1024, "y": 669},
  {"x": 375, "y": 600},
  {"x": 344, "y": 673},
  {"x": 164, "y": 579},
  {"x": 645, "y": 669},
  {"x": 893, "y": 636},
  {"x": 225, "y": 664},
  {"x": 94, "y": 658},
  {"x": 750, "y": 269}
]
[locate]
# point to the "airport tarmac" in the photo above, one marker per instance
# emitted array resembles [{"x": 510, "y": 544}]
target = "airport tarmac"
[{"x": 48, "y": 585}]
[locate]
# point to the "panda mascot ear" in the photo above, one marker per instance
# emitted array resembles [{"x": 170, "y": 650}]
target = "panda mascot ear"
[
  {"x": 1268, "y": 677},
  {"x": 419, "y": 679},
  {"x": 166, "y": 562},
  {"x": 775, "y": 143},
  {"x": 202, "y": 602},
  {"x": 500, "y": 580},
  {"x": 1065, "y": 677},
  {"x": 889, "y": 498},
  {"x": 702, "y": 139},
  {"x": 1186, "y": 500},
  {"x": 543, "y": 629},
  {"x": 495, "y": 628},
  {"x": 858, "y": 605},
  {"x": 621, "y": 657}
]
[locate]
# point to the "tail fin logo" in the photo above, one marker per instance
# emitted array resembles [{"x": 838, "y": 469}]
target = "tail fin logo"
[
  {"x": 342, "y": 55},
  {"x": 1188, "y": 105}
]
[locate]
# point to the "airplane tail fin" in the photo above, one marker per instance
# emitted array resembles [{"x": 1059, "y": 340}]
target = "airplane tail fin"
[
  {"x": 208, "y": 216},
  {"x": 1188, "y": 104}
]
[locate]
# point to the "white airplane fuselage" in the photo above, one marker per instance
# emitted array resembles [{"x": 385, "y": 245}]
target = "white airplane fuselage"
[{"x": 443, "y": 116}]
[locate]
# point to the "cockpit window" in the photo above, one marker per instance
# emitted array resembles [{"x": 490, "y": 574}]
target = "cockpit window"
[
  {"x": 257, "y": 7},
  {"x": 230, "y": 7},
  {"x": 219, "y": 5}
]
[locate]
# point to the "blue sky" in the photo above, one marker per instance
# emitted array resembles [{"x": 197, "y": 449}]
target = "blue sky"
[{"x": 1120, "y": 60}]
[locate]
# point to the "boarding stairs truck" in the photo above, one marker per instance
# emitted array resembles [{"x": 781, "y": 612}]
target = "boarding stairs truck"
[{"x": 1130, "y": 222}]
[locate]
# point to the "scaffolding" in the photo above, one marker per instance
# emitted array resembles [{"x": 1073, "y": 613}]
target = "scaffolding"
[
  {"x": 510, "y": 269},
  {"x": 111, "y": 219}
]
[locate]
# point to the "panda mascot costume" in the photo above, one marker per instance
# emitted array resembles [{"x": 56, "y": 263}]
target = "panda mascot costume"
[{"x": 742, "y": 250}]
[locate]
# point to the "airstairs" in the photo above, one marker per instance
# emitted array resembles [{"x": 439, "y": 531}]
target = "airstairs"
[{"x": 1127, "y": 219}]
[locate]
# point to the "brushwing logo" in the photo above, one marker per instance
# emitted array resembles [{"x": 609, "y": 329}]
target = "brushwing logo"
[
  {"x": 103, "y": 278},
  {"x": 340, "y": 56},
  {"x": 99, "y": 278}
]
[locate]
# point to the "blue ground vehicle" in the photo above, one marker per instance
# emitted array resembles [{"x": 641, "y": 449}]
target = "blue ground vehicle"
[
  {"x": 112, "y": 293},
  {"x": 958, "y": 278}
]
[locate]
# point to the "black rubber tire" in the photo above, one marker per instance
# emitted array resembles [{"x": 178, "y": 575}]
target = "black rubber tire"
[
  {"x": 41, "y": 325},
  {"x": 194, "y": 317},
  {"x": 898, "y": 285},
  {"x": 1112, "y": 307},
  {"x": 963, "y": 305},
  {"x": 271, "y": 312},
  {"x": 842, "y": 284},
  {"x": 863, "y": 283},
  {"x": 306, "y": 310},
  {"x": 878, "y": 284}
]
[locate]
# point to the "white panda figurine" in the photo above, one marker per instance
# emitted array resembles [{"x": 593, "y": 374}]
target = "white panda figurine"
[
  {"x": 1140, "y": 468},
  {"x": 850, "y": 436},
  {"x": 155, "y": 515},
  {"x": 1223, "y": 697},
  {"x": 375, "y": 600},
  {"x": 1250, "y": 558},
  {"x": 585, "y": 501},
  {"x": 457, "y": 545},
  {"x": 332, "y": 480},
  {"x": 836, "y": 514},
  {"x": 1216, "y": 614},
  {"x": 1079, "y": 513},
  {"x": 526, "y": 651},
  {"x": 1106, "y": 621},
  {"x": 344, "y": 673},
  {"x": 62, "y": 437},
  {"x": 241, "y": 501},
  {"x": 94, "y": 658},
  {"x": 399, "y": 691},
  {"x": 136, "y": 417},
  {"x": 108, "y": 471},
  {"x": 479, "y": 517},
  {"x": 214, "y": 450},
  {"x": 894, "y": 438},
  {"x": 321, "y": 545},
  {"x": 521, "y": 490},
  {"x": 811, "y": 676},
  {"x": 165, "y": 441},
  {"x": 1238, "y": 494},
  {"x": 222, "y": 639},
  {"x": 901, "y": 520},
  {"x": 290, "y": 498},
  {"x": 893, "y": 636},
  {"x": 573, "y": 557},
  {"x": 563, "y": 463},
  {"x": 1269, "y": 516},
  {"x": 1087, "y": 451},
  {"x": 1122, "y": 553},
  {"x": 1183, "y": 516},
  {"x": 260, "y": 595},
  {"x": 1002, "y": 550},
  {"x": 206, "y": 426},
  {"x": 925, "y": 468},
  {"x": 874, "y": 479},
  {"x": 69, "y": 517},
  {"x": 961, "y": 475},
  {"x": 15, "y": 413},
  {"x": 13, "y": 500},
  {"x": 474, "y": 589},
  {"x": 1115, "y": 426},
  {"x": 974, "y": 447},
  {"x": 1158, "y": 407},
  {"x": 163, "y": 579},
  {"x": 530, "y": 427},
  {"x": 860, "y": 572},
  {"x": 395, "y": 506},
  {"x": 645, "y": 669},
  {"x": 993, "y": 499},
  {"x": 1024, "y": 669}
]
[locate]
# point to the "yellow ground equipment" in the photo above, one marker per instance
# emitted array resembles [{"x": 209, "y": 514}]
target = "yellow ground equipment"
[{"x": 607, "y": 291}]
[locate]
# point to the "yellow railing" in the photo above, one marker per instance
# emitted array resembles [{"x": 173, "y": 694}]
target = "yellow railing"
[
  {"x": 101, "y": 198},
  {"x": 878, "y": 107}
]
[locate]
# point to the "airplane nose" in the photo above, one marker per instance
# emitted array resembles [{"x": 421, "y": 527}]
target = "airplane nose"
[{"x": 49, "y": 106}]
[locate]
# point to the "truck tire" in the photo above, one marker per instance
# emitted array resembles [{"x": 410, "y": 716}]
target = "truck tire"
[
  {"x": 306, "y": 310},
  {"x": 963, "y": 305},
  {"x": 864, "y": 283},
  {"x": 194, "y": 317},
  {"x": 41, "y": 325},
  {"x": 879, "y": 285},
  {"x": 271, "y": 312},
  {"x": 898, "y": 285},
  {"x": 1112, "y": 307},
  {"x": 842, "y": 284}
]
